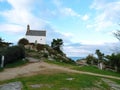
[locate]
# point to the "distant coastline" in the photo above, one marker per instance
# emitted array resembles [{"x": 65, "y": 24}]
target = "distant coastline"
[{"x": 76, "y": 58}]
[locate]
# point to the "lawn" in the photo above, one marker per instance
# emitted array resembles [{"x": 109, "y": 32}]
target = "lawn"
[
  {"x": 92, "y": 69},
  {"x": 65, "y": 81},
  {"x": 60, "y": 81},
  {"x": 1, "y": 69},
  {"x": 16, "y": 64}
]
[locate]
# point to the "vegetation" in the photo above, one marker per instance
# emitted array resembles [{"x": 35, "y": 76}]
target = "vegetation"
[
  {"x": 90, "y": 59},
  {"x": 114, "y": 61},
  {"x": 16, "y": 64},
  {"x": 40, "y": 47},
  {"x": 56, "y": 44},
  {"x": 23, "y": 41},
  {"x": 61, "y": 81},
  {"x": 99, "y": 55},
  {"x": 70, "y": 65},
  {"x": 58, "y": 81},
  {"x": 94, "y": 69},
  {"x": 12, "y": 54},
  {"x": 90, "y": 68},
  {"x": 4, "y": 44},
  {"x": 1, "y": 69},
  {"x": 117, "y": 34}
]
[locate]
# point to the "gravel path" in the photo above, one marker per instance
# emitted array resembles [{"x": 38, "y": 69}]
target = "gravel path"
[{"x": 41, "y": 67}]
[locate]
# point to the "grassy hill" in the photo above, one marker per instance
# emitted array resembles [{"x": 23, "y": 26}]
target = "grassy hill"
[{"x": 61, "y": 80}]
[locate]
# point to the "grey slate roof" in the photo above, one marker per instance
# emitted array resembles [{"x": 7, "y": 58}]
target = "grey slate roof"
[{"x": 36, "y": 33}]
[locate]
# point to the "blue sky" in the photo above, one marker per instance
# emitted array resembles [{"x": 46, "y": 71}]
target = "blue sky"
[{"x": 84, "y": 25}]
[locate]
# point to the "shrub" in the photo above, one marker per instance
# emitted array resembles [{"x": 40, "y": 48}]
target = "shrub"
[
  {"x": 40, "y": 47},
  {"x": 0, "y": 59},
  {"x": 23, "y": 41},
  {"x": 45, "y": 55},
  {"x": 12, "y": 54}
]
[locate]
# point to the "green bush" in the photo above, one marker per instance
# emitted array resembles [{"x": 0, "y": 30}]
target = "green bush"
[
  {"x": 0, "y": 59},
  {"x": 40, "y": 47},
  {"x": 12, "y": 54},
  {"x": 45, "y": 55}
]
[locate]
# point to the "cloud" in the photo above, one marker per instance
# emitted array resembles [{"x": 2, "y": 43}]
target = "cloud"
[
  {"x": 1, "y": 0},
  {"x": 98, "y": 4},
  {"x": 82, "y": 50},
  {"x": 64, "y": 11},
  {"x": 108, "y": 14},
  {"x": 21, "y": 14},
  {"x": 68, "y": 12},
  {"x": 10, "y": 28},
  {"x": 85, "y": 17}
]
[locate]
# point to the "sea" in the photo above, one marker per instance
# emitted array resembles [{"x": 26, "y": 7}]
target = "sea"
[{"x": 76, "y": 58}]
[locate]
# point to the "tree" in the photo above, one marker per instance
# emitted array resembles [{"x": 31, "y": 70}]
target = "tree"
[
  {"x": 114, "y": 61},
  {"x": 1, "y": 42},
  {"x": 4, "y": 44},
  {"x": 117, "y": 34},
  {"x": 100, "y": 58},
  {"x": 91, "y": 59},
  {"x": 23, "y": 41},
  {"x": 56, "y": 44}
]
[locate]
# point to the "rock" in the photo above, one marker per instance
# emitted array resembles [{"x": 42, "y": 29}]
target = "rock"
[
  {"x": 69, "y": 79},
  {"x": 41, "y": 85},
  {"x": 11, "y": 86},
  {"x": 112, "y": 84}
]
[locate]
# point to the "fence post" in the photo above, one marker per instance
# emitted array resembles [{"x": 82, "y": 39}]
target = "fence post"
[{"x": 2, "y": 61}]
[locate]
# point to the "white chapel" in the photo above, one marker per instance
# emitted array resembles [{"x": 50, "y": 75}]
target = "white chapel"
[{"x": 35, "y": 36}]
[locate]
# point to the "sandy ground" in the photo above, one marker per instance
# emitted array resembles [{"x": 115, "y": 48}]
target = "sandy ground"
[{"x": 41, "y": 68}]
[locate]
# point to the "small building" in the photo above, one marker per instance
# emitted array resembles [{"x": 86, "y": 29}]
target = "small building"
[{"x": 35, "y": 36}]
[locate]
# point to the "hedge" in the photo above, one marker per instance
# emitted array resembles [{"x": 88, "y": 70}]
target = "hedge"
[{"x": 12, "y": 54}]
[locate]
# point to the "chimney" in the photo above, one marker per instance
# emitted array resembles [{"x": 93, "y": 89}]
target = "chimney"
[{"x": 28, "y": 27}]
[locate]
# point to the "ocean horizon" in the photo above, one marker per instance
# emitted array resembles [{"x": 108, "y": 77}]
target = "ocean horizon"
[{"x": 76, "y": 58}]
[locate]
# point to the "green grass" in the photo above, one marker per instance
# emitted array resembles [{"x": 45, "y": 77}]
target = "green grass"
[
  {"x": 61, "y": 63},
  {"x": 1, "y": 69},
  {"x": 59, "y": 81},
  {"x": 16, "y": 64},
  {"x": 92, "y": 69}
]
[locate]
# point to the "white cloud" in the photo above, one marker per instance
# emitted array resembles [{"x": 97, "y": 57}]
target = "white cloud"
[
  {"x": 108, "y": 14},
  {"x": 98, "y": 4},
  {"x": 64, "y": 11},
  {"x": 82, "y": 50},
  {"x": 21, "y": 14},
  {"x": 21, "y": 4},
  {"x": 57, "y": 3},
  {"x": 85, "y": 17},
  {"x": 68, "y": 12},
  {"x": 68, "y": 34},
  {"x": 2, "y": 0},
  {"x": 10, "y": 28},
  {"x": 76, "y": 51}
]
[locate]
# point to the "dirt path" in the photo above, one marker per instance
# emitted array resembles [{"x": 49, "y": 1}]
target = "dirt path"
[{"x": 41, "y": 67}]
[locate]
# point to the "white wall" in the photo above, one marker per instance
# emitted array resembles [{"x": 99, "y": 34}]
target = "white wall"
[{"x": 39, "y": 39}]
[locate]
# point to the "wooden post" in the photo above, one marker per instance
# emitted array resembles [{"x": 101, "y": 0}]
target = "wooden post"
[{"x": 2, "y": 62}]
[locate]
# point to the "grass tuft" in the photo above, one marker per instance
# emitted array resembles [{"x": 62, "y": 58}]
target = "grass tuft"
[{"x": 16, "y": 64}]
